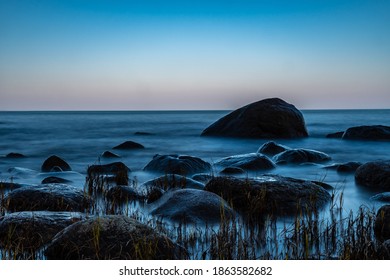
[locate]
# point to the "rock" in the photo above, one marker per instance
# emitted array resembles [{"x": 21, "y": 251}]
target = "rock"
[
  {"x": 24, "y": 231},
  {"x": 324, "y": 185},
  {"x": 112, "y": 238},
  {"x": 232, "y": 171},
  {"x": 268, "y": 118},
  {"x": 172, "y": 181},
  {"x": 55, "y": 180},
  {"x": 11, "y": 186},
  {"x": 20, "y": 172},
  {"x": 202, "y": 177},
  {"x": 129, "y": 145},
  {"x": 301, "y": 156},
  {"x": 100, "y": 175},
  {"x": 384, "y": 197},
  {"x": 51, "y": 197},
  {"x": 338, "y": 134},
  {"x": 375, "y": 175},
  {"x": 111, "y": 168},
  {"x": 56, "y": 169},
  {"x": 177, "y": 164},
  {"x": 250, "y": 162},
  {"x": 192, "y": 206},
  {"x": 55, "y": 161},
  {"x": 271, "y": 148},
  {"x": 154, "y": 194},
  {"x": 108, "y": 154},
  {"x": 348, "y": 167},
  {"x": 382, "y": 223},
  {"x": 123, "y": 194},
  {"x": 269, "y": 194},
  {"x": 368, "y": 132},
  {"x": 15, "y": 155}
]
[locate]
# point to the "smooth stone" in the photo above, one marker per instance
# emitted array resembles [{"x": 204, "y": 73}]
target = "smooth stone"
[
  {"x": 123, "y": 194},
  {"x": 55, "y": 180},
  {"x": 368, "y": 132},
  {"x": 250, "y": 162},
  {"x": 192, "y": 206},
  {"x": 15, "y": 155},
  {"x": 382, "y": 223},
  {"x": 202, "y": 177},
  {"x": 337, "y": 135},
  {"x": 129, "y": 145},
  {"x": 113, "y": 237},
  {"x": 268, "y": 118},
  {"x": 375, "y": 175},
  {"x": 108, "y": 154},
  {"x": 26, "y": 231},
  {"x": 272, "y": 148},
  {"x": 55, "y": 161},
  {"x": 172, "y": 181},
  {"x": 111, "y": 168},
  {"x": 301, "y": 156},
  {"x": 177, "y": 164}
]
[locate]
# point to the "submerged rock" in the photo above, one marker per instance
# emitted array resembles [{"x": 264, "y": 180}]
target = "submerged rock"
[
  {"x": 338, "y": 135},
  {"x": 51, "y": 197},
  {"x": 108, "y": 154},
  {"x": 192, "y": 206},
  {"x": 177, "y": 164},
  {"x": 368, "y": 132},
  {"x": 375, "y": 175},
  {"x": 269, "y": 194},
  {"x": 382, "y": 223},
  {"x": 112, "y": 238},
  {"x": 250, "y": 162},
  {"x": 24, "y": 231},
  {"x": 15, "y": 155},
  {"x": 111, "y": 168},
  {"x": 129, "y": 145},
  {"x": 55, "y": 180},
  {"x": 54, "y": 162},
  {"x": 268, "y": 118},
  {"x": 348, "y": 167},
  {"x": 301, "y": 156},
  {"x": 272, "y": 148}
]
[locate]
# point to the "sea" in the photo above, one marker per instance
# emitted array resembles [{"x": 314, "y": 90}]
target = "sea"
[{"x": 80, "y": 137}]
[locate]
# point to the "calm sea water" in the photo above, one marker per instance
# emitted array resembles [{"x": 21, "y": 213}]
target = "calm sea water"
[{"x": 80, "y": 137}]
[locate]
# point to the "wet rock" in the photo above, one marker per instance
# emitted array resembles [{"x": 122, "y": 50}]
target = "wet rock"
[
  {"x": 24, "y": 231},
  {"x": 55, "y": 161},
  {"x": 301, "y": 156},
  {"x": 268, "y": 118},
  {"x": 272, "y": 148},
  {"x": 55, "y": 180},
  {"x": 250, "y": 162},
  {"x": 368, "y": 132},
  {"x": 11, "y": 186},
  {"x": 177, "y": 164},
  {"x": 375, "y": 175},
  {"x": 111, "y": 168},
  {"x": 172, "y": 181},
  {"x": 382, "y": 223},
  {"x": 338, "y": 135},
  {"x": 384, "y": 197},
  {"x": 192, "y": 206},
  {"x": 112, "y": 238},
  {"x": 20, "y": 172},
  {"x": 123, "y": 194},
  {"x": 154, "y": 194},
  {"x": 129, "y": 145},
  {"x": 269, "y": 194},
  {"x": 108, "y": 154},
  {"x": 51, "y": 197},
  {"x": 348, "y": 167},
  {"x": 232, "y": 171},
  {"x": 202, "y": 177},
  {"x": 15, "y": 155}
]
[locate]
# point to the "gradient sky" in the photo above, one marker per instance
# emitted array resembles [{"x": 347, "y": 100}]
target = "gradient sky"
[{"x": 136, "y": 55}]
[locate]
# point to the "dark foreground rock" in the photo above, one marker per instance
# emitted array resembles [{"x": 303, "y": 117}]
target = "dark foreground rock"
[
  {"x": 25, "y": 231},
  {"x": 375, "y": 175},
  {"x": 268, "y": 118},
  {"x": 120, "y": 194},
  {"x": 192, "y": 206},
  {"x": 372, "y": 132},
  {"x": 53, "y": 162},
  {"x": 177, "y": 164},
  {"x": 382, "y": 223},
  {"x": 269, "y": 194},
  {"x": 272, "y": 148},
  {"x": 50, "y": 197},
  {"x": 55, "y": 180},
  {"x": 129, "y": 145},
  {"x": 202, "y": 177},
  {"x": 111, "y": 168},
  {"x": 172, "y": 181},
  {"x": 232, "y": 171},
  {"x": 111, "y": 238},
  {"x": 301, "y": 156},
  {"x": 11, "y": 186},
  {"x": 250, "y": 162}
]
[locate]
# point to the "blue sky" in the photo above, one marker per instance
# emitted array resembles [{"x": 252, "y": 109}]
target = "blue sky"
[{"x": 136, "y": 55}]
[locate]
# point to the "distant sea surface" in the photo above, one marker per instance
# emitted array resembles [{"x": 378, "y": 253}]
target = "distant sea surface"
[{"x": 81, "y": 137}]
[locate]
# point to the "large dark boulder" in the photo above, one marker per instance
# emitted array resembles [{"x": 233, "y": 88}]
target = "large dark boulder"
[
  {"x": 129, "y": 145},
  {"x": 177, "y": 164},
  {"x": 111, "y": 168},
  {"x": 272, "y": 148},
  {"x": 382, "y": 223},
  {"x": 375, "y": 175},
  {"x": 119, "y": 194},
  {"x": 51, "y": 197},
  {"x": 301, "y": 156},
  {"x": 111, "y": 238},
  {"x": 54, "y": 162},
  {"x": 269, "y": 194},
  {"x": 368, "y": 132},
  {"x": 268, "y": 118},
  {"x": 24, "y": 231},
  {"x": 249, "y": 162},
  {"x": 192, "y": 206},
  {"x": 172, "y": 181}
]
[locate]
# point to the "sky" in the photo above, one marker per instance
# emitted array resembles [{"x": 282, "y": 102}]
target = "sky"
[{"x": 193, "y": 55}]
